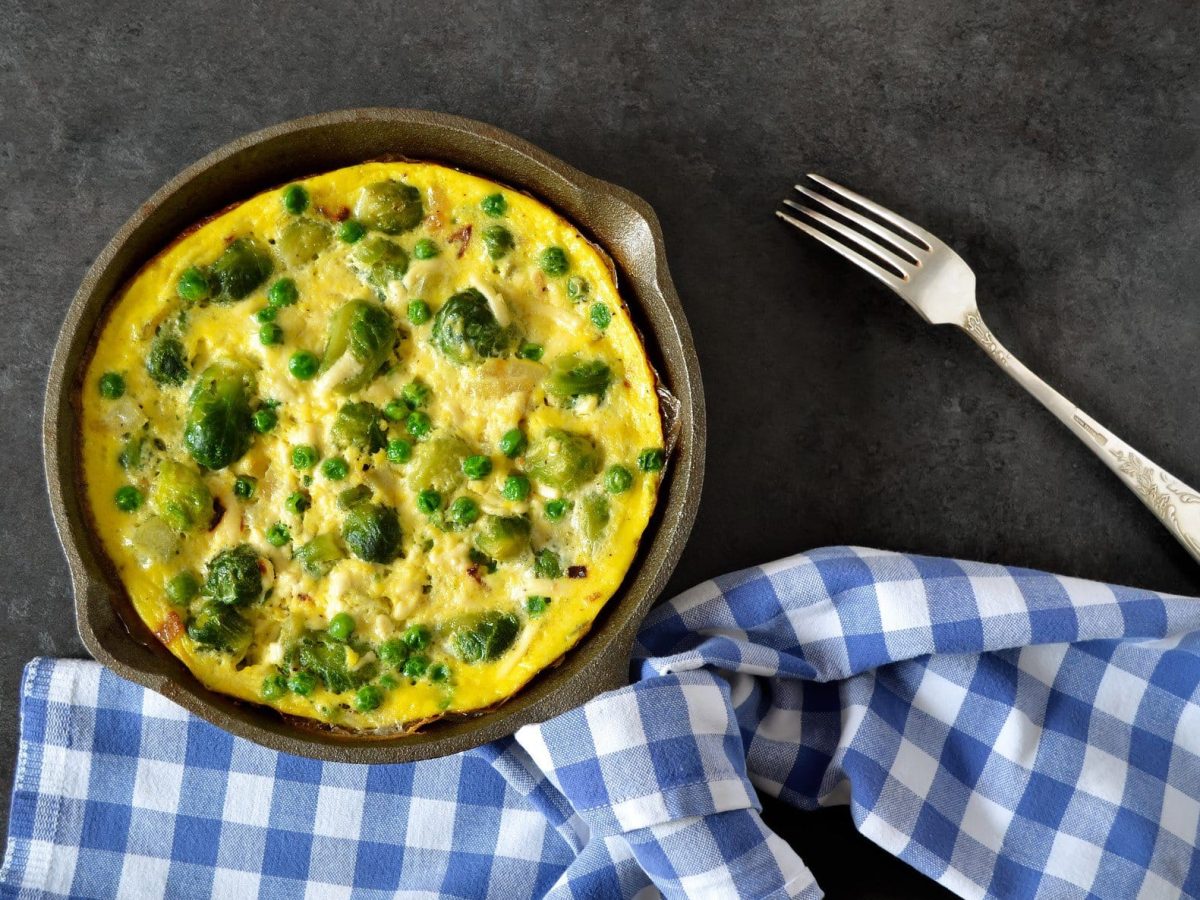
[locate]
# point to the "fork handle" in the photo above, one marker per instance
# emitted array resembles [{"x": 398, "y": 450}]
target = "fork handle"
[{"x": 1175, "y": 504}]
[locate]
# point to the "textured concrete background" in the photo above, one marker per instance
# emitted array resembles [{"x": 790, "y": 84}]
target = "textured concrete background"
[{"x": 1053, "y": 144}]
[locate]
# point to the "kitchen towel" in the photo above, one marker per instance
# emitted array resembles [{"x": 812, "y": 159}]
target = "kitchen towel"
[{"x": 1007, "y": 732}]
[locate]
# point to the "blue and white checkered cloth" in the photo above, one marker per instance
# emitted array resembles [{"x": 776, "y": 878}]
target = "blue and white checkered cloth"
[{"x": 1008, "y": 733}]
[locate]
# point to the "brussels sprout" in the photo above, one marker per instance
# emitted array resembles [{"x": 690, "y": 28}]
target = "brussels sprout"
[
  {"x": 181, "y": 497},
  {"x": 593, "y": 516},
  {"x": 240, "y": 269},
  {"x": 546, "y": 564},
  {"x": 167, "y": 361},
  {"x": 380, "y": 260},
  {"x": 219, "y": 420},
  {"x": 154, "y": 541},
  {"x": 372, "y": 532},
  {"x": 437, "y": 463},
  {"x": 134, "y": 453},
  {"x": 365, "y": 330},
  {"x": 465, "y": 330},
  {"x": 562, "y": 459},
  {"x": 503, "y": 537},
  {"x": 319, "y": 555},
  {"x": 218, "y": 627},
  {"x": 571, "y": 376},
  {"x": 484, "y": 637},
  {"x": 183, "y": 587},
  {"x": 234, "y": 577},
  {"x": 357, "y": 426},
  {"x": 392, "y": 207},
  {"x": 498, "y": 240},
  {"x": 325, "y": 658},
  {"x": 302, "y": 241},
  {"x": 351, "y": 497}
]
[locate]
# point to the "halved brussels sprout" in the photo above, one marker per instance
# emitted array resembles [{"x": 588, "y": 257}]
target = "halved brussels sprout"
[
  {"x": 392, "y": 207},
  {"x": 302, "y": 241},
  {"x": 319, "y": 555},
  {"x": 503, "y": 537},
  {"x": 234, "y": 576},
  {"x": 467, "y": 332},
  {"x": 218, "y": 627},
  {"x": 357, "y": 426},
  {"x": 243, "y": 267},
  {"x": 325, "y": 657},
  {"x": 220, "y": 421},
  {"x": 166, "y": 362},
  {"x": 484, "y": 637},
  {"x": 572, "y": 376},
  {"x": 562, "y": 459},
  {"x": 366, "y": 330},
  {"x": 437, "y": 463},
  {"x": 181, "y": 497},
  {"x": 372, "y": 532},
  {"x": 154, "y": 541},
  {"x": 593, "y": 515},
  {"x": 381, "y": 260}
]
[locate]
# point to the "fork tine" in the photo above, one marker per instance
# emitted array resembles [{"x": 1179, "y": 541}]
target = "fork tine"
[
  {"x": 883, "y": 212},
  {"x": 849, "y": 234},
  {"x": 911, "y": 247},
  {"x": 889, "y": 278}
]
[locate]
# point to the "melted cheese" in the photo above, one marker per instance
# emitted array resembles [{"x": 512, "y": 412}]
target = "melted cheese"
[{"x": 435, "y": 581}]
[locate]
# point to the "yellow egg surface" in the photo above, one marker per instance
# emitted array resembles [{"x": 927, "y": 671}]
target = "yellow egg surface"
[{"x": 374, "y": 447}]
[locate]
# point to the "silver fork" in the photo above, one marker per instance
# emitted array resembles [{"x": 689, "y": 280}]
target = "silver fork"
[{"x": 941, "y": 287}]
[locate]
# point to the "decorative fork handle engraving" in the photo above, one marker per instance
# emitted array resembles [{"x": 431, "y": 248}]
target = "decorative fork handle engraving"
[{"x": 1175, "y": 504}]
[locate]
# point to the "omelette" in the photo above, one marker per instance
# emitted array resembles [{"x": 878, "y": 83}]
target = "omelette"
[{"x": 372, "y": 448}]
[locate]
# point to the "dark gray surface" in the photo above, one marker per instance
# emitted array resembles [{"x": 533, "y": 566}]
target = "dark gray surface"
[{"x": 1054, "y": 145}]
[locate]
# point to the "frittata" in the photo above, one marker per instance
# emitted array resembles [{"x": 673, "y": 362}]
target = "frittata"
[{"x": 374, "y": 447}]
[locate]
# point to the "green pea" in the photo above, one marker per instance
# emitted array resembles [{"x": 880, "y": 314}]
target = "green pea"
[
  {"x": 183, "y": 588},
  {"x": 494, "y": 205},
  {"x": 415, "y": 395},
  {"x": 273, "y": 687},
  {"x": 532, "y": 352},
  {"x": 278, "y": 534},
  {"x": 368, "y": 698},
  {"x": 393, "y": 653},
  {"x": 439, "y": 672},
  {"x": 387, "y": 681},
  {"x": 618, "y": 479},
  {"x": 399, "y": 450},
  {"x": 266, "y": 314},
  {"x": 302, "y": 683},
  {"x": 553, "y": 261},
  {"x": 416, "y": 637},
  {"x": 297, "y": 503},
  {"x": 418, "y": 425},
  {"x": 462, "y": 512},
  {"x": 193, "y": 285},
  {"x": 335, "y": 469},
  {"x": 498, "y": 240},
  {"x": 128, "y": 498},
  {"x": 341, "y": 627},
  {"x": 418, "y": 312},
  {"x": 112, "y": 386},
  {"x": 270, "y": 335},
  {"x": 429, "y": 501},
  {"x": 282, "y": 293},
  {"x": 601, "y": 315},
  {"x": 577, "y": 288},
  {"x": 424, "y": 249},
  {"x": 396, "y": 411},
  {"x": 516, "y": 487},
  {"x": 265, "y": 420},
  {"x": 536, "y": 605},
  {"x": 415, "y": 666},
  {"x": 244, "y": 487},
  {"x": 304, "y": 457},
  {"x": 295, "y": 199},
  {"x": 351, "y": 231},
  {"x": 556, "y": 509},
  {"x": 513, "y": 443},
  {"x": 652, "y": 459},
  {"x": 476, "y": 467},
  {"x": 304, "y": 365},
  {"x": 547, "y": 565}
]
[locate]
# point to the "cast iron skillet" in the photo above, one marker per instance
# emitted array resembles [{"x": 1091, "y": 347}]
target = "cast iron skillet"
[{"x": 620, "y": 222}]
